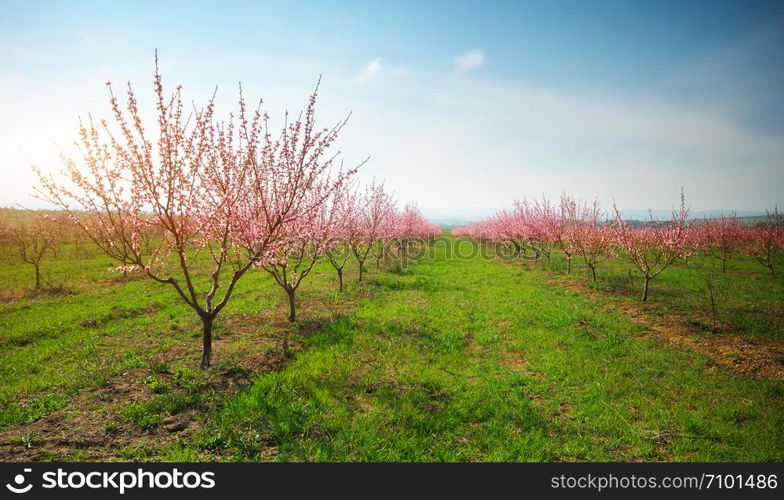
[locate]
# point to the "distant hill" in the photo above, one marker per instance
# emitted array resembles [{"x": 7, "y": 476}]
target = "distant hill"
[
  {"x": 630, "y": 214},
  {"x": 641, "y": 214},
  {"x": 452, "y": 222}
]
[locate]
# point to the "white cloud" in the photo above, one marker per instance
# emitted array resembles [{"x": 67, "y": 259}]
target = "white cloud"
[
  {"x": 376, "y": 70},
  {"x": 370, "y": 72},
  {"x": 471, "y": 60},
  {"x": 169, "y": 63}
]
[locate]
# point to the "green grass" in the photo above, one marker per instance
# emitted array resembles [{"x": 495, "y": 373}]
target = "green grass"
[
  {"x": 98, "y": 327},
  {"x": 482, "y": 361},
  {"x": 749, "y": 301},
  {"x": 447, "y": 360}
]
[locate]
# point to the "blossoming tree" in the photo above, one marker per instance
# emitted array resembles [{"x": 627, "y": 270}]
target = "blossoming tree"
[
  {"x": 217, "y": 193},
  {"x": 375, "y": 211},
  {"x": 721, "y": 237},
  {"x": 654, "y": 247},
  {"x": 591, "y": 239},
  {"x": 766, "y": 239},
  {"x": 305, "y": 239},
  {"x": 338, "y": 249},
  {"x": 34, "y": 237}
]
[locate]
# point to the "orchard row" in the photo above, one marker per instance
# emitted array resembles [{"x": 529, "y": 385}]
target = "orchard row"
[{"x": 577, "y": 228}]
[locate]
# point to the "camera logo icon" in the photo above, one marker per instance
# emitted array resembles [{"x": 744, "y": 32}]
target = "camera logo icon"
[{"x": 19, "y": 481}]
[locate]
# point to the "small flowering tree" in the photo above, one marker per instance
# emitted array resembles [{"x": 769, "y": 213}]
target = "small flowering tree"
[
  {"x": 410, "y": 229},
  {"x": 554, "y": 225},
  {"x": 379, "y": 249},
  {"x": 524, "y": 223},
  {"x": 591, "y": 239},
  {"x": 34, "y": 237},
  {"x": 655, "y": 247},
  {"x": 374, "y": 211},
  {"x": 338, "y": 248},
  {"x": 546, "y": 227},
  {"x": 509, "y": 229},
  {"x": 721, "y": 237},
  {"x": 766, "y": 240},
  {"x": 303, "y": 241},
  {"x": 565, "y": 223},
  {"x": 338, "y": 253}
]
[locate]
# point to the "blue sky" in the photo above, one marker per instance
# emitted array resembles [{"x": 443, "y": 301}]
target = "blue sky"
[{"x": 462, "y": 106}]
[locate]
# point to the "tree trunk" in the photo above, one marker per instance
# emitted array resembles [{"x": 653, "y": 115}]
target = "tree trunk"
[
  {"x": 645, "y": 293},
  {"x": 724, "y": 265},
  {"x": 361, "y": 266},
  {"x": 593, "y": 273},
  {"x": 206, "y": 352},
  {"x": 292, "y": 307},
  {"x": 37, "y": 277},
  {"x": 340, "y": 279}
]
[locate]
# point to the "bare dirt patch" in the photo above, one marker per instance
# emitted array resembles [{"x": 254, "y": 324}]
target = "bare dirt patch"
[
  {"x": 746, "y": 356},
  {"x": 93, "y": 427},
  {"x": 475, "y": 351},
  {"x": 517, "y": 362}
]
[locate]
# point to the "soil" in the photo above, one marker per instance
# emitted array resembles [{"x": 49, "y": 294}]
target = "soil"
[
  {"x": 90, "y": 427},
  {"x": 751, "y": 356}
]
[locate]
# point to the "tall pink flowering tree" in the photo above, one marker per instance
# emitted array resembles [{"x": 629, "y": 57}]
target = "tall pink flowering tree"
[
  {"x": 654, "y": 247},
  {"x": 215, "y": 193},
  {"x": 292, "y": 178},
  {"x": 179, "y": 176}
]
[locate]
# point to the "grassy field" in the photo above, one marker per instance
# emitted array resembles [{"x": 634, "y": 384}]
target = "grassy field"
[{"x": 448, "y": 360}]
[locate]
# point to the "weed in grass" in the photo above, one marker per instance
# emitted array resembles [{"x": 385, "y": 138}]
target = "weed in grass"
[
  {"x": 27, "y": 439},
  {"x": 144, "y": 416},
  {"x": 160, "y": 368},
  {"x": 31, "y": 409},
  {"x": 112, "y": 428}
]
